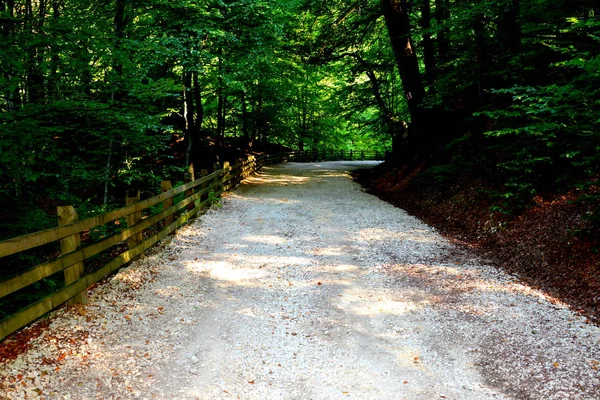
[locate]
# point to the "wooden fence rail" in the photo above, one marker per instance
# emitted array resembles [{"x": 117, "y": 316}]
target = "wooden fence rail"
[
  {"x": 197, "y": 195},
  {"x": 336, "y": 155}
]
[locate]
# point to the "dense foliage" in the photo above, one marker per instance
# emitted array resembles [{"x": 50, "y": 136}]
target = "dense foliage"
[
  {"x": 513, "y": 86},
  {"x": 505, "y": 91},
  {"x": 98, "y": 96}
]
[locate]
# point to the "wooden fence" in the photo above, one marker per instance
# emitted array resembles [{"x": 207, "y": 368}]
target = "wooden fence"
[
  {"x": 139, "y": 235},
  {"x": 337, "y": 155}
]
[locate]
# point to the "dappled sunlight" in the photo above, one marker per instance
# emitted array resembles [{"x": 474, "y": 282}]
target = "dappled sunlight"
[
  {"x": 360, "y": 301},
  {"x": 511, "y": 287},
  {"x": 225, "y": 271},
  {"x": 328, "y": 173},
  {"x": 457, "y": 287},
  {"x": 265, "y": 200},
  {"x": 379, "y": 234},
  {"x": 168, "y": 291},
  {"x": 343, "y": 268},
  {"x": 266, "y": 239},
  {"x": 191, "y": 240},
  {"x": 384, "y": 306},
  {"x": 235, "y": 246},
  {"x": 327, "y": 251},
  {"x": 331, "y": 269},
  {"x": 267, "y": 260},
  {"x": 276, "y": 179},
  {"x": 433, "y": 269},
  {"x": 336, "y": 281},
  {"x": 248, "y": 312}
]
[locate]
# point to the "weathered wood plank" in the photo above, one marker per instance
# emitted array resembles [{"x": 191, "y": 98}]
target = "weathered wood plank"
[
  {"x": 36, "y": 239},
  {"x": 47, "y": 304},
  {"x": 39, "y": 308},
  {"x": 203, "y": 173},
  {"x": 68, "y": 215},
  {"x": 189, "y": 177},
  {"x": 48, "y": 268},
  {"x": 165, "y": 186},
  {"x": 133, "y": 219}
]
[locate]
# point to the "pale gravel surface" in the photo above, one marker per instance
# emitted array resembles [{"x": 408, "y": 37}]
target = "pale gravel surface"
[{"x": 301, "y": 286}]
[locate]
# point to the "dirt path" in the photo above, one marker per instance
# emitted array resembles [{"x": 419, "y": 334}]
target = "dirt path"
[{"x": 301, "y": 286}]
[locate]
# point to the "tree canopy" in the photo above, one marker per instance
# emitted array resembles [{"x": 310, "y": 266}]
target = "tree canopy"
[{"x": 98, "y": 96}]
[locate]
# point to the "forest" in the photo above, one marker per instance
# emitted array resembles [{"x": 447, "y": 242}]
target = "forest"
[{"x": 100, "y": 96}]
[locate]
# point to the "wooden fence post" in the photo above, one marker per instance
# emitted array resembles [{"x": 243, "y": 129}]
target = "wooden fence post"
[
  {"x": 132, "y": 219},
  {"x": 376, "y": 155},
  {"x": 203, "y": 173},
  {"x": 226, "y": 176},
  {"x": 342, "y": 154},
  {"x": 187, "y": 178},
  {"x": 215, "y": 183},
  {"x": 165, "y": 186},
  {"x": 362, "y": 155},
  {"x": 246, "y": 167},
  {"x": 66, "y": 216},
  {"x": 238, "y": 171},
  {"x": 351, "y": 155}
]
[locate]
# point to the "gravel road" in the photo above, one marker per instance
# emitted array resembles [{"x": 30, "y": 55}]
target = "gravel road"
[{"x": 302, "y": 286}]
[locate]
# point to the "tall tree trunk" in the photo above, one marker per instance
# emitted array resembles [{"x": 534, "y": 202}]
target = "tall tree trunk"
[
  {"x": 221, "y": 116},
  {"x": 594, "y": 14},
  {"x": 13, "y": 97},
  {"x": 35, "y": 77},
  {"x": 220, "y": 102},
  {"x": 188, "y": 115},
  {"x": 302, "y": 118},
  {"x": 120, "y": 22},
  {"x": 245, "y": 119},
  {"x": 253, "y": 111},
  {"x": 198, "y": 99},
  {"x": 314, "y": 131},
  {"x": 259, "y": 115},
  {"x": 481, "y": 54},
  {"x": 509, "y": 29},
  {"x": 86, "y": 79},
  {"x": 395, "y": 126},
  {"x": 442, "y": 14},
  {"x": 107, "y": 172},
  {"x": 53, "y": 91},
  {"x": 196, "y": 134},
  {"x": 398, "y": 26},
  {"x": 428, "y": 48}
]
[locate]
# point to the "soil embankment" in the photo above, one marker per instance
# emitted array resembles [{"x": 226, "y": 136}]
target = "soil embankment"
[{"x": 542, "y": 245}]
